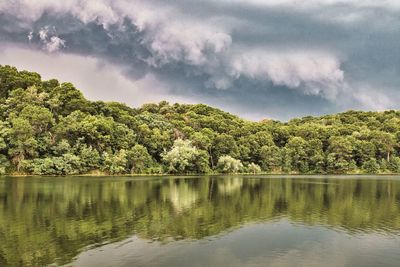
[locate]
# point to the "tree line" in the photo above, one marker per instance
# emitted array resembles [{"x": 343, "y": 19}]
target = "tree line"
[{"x": 50, "y": 128}]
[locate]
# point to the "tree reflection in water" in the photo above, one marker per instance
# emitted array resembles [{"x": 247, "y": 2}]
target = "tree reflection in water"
[{"x": 46, "y": 220}]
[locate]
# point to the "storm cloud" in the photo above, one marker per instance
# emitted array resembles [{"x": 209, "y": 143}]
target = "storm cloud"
[{"x": 277, "y": 58}]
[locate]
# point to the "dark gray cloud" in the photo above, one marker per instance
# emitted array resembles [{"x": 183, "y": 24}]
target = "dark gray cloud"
[{"x": 277, "y": 58}]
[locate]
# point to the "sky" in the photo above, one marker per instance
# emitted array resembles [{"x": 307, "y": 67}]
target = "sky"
[{"x": 258, "y": 59}]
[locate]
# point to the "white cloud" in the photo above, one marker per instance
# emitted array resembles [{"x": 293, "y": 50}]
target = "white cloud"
[
  {"x": 206, "y": 45},
  {"x": 88, "y": 10},
  {"x": 173, "y": 37},
  {"x": 30, "y": 36},
  {"x": 50, "y": 43},
  {"x": 319, "y": 3},
  {"x": 54, "y": 44},
  {"x": 192, "y": 46},
  {"x": 318, "y": 73},
  {"x": 313, "y": 72},
  {"x": 170, "y": 35},
  {"x": 371, "y": 98},
  {"x": 336, "y": 11},
  {"x": 43, "y": 33}
]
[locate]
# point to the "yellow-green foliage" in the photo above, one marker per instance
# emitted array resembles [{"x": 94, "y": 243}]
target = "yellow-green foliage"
[{"x": 50, "y": 128}]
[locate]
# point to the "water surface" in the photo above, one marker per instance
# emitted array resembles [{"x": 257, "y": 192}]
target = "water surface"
[{"x": 200, "y": 221}]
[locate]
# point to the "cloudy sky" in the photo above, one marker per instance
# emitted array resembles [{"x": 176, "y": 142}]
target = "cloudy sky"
[{"x": 256, "y": 58}]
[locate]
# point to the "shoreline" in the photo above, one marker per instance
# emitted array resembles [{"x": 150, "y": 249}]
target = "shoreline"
[{"x": 200, "y": 174}]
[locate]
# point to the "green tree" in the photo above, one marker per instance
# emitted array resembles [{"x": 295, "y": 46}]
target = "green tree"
[
  {"x": 50, "y": 128},
  {"x": 224, "y": 144},
  {"x": 296, "y": 150},
  {"x": 286, "y": 160},
  {"x": 227, "y": 164},
  {"x": 19, "y": 98},
  {"x": 115, "y": 163},
  {"x": 39, "y": 118},
  {"x": 89, "y": 157},
  {"x": 316, "y": 156},
  {"x": 384, "y": 143},
  {"x": 394, "y": 164},
  {"x": 202, "y": 162},
  {"x": 4, "y": 164},
  {"x": 340, "y": 157},
  {"x": 65, "y": 99},
  {"x": 253, "y": 168},
  {"x": 139, "y": 159},
  {"x": 271, "y": 158},
  {"x": 184, "y": 157},
  {"x": 363, "y": 151},
  {"x": 371, "y": 166},
  {"x": 22, "y": 142}
]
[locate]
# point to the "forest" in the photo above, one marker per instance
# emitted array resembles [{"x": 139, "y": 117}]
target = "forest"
[{"x": 50, "y": 128}]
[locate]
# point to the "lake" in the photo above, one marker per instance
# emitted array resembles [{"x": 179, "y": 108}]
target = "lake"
[{"x": 200, "y": 221}]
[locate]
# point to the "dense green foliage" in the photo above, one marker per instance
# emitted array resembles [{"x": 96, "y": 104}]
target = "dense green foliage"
[
  {"x": 50, "y": 128},
  {"x": 48, "y": 220}
]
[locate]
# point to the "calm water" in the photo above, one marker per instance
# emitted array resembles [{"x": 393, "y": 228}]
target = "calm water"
[{"x": 200, "y": 221}]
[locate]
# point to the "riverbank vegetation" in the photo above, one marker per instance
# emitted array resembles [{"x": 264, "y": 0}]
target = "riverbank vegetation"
[{"x": 48, "y": 128}]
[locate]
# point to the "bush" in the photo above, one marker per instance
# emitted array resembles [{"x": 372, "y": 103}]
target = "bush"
[
  {"x": 4, "y": 164},
  {"x": 371, "y": 166},
  {"x": 66, "y": 164},
  {"x": 184, "y": 157},
  {"x": 227, "y": 164},
  {"x": 253, "y": 168},
  {"x": 394, "y": 165},
  {"x": 115, "y": 163}
]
